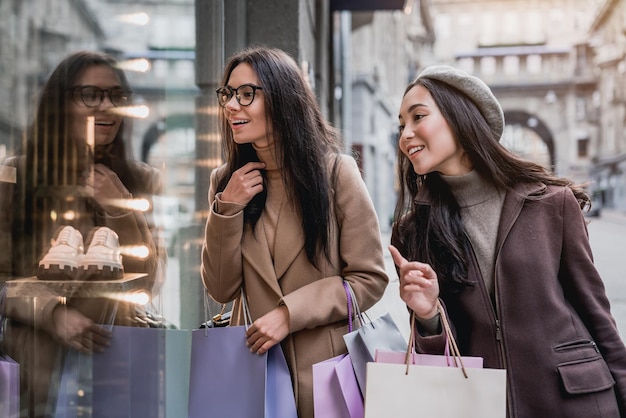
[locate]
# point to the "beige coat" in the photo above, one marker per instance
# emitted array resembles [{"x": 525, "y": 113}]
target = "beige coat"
[{"x": 234, "y": 254}]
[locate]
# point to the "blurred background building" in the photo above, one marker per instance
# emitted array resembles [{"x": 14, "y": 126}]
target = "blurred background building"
[{"x": 557, "y": 66}]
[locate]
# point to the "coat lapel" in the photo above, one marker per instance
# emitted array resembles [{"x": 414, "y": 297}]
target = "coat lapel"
[
  {"x": 256, "y": 253},
  {"x": 288, "y": 243},
  {"x": 513, "y": 203},
  {"x": 289, "y": 240}
]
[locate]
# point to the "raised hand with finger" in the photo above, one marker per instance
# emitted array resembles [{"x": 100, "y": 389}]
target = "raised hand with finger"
[{"x": 419, "y": 287}]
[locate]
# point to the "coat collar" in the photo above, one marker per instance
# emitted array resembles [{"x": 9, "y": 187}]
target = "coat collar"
[{"x": 513, "y": 203}]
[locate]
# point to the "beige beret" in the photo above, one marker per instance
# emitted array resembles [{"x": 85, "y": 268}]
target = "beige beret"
[{"x": 474, "y": 88}]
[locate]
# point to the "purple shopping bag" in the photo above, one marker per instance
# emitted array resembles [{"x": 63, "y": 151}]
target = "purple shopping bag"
[
  {"x": 349, "y": 387},
  {"x": 336, "y": 392},
  {"x": 227, "y": 380},
  {"x": 9, "y": 387},
  {"x": 142, "y": 374}
]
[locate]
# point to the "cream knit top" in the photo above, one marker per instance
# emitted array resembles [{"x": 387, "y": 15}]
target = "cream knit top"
[{"x": 276, "y": 194}]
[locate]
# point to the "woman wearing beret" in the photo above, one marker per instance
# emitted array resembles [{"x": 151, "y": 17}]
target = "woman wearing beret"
[
  {"x": 290, "y": 218},
  {"x": 503, "y": 243}
]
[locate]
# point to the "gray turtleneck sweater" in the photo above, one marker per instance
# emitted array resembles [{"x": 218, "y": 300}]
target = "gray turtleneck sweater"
[{"x": 481, "y": 205}]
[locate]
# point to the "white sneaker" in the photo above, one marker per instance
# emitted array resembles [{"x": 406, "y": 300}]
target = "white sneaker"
[
  {"x": 62, "y": 261},
  {"x": 103, "y": 259}
]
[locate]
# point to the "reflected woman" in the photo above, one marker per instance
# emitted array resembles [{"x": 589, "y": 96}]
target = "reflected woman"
[{"x": 74, "y": 175}]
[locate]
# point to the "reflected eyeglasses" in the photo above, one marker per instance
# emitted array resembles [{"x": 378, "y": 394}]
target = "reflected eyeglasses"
[
  {"x": 244, "y": 94},
  {"x": 92, "y": 96}
]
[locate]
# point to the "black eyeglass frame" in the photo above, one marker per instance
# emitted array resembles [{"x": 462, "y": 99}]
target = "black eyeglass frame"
[
  {"x": 77, "y": 93},
  {"x": 235, "y": 92}
]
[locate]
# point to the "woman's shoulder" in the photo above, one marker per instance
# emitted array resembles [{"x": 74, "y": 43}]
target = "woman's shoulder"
[
  {"x": 148, "y": 176},
  {"x": 219, "y": 172},
  {"x": 342, "y": 162}
]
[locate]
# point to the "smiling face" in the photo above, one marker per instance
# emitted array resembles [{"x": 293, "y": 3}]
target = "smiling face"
[
  {"x": 426, "y": 138},
  {"x": 106, "y": 122},
  {"x": 248, "y": 123}
]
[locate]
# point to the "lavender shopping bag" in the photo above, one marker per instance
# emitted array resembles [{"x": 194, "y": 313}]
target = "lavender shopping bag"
[
  {"x": 335, "y": 390},
  {"x": 144, "y": 373},
  {"x": 9, "y": 387},
  {"x": 227, "y": 380}
]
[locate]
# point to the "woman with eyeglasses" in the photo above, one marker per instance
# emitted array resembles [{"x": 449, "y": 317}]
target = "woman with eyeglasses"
[
  {"x": 73, "y": 177},
  {"x": 290, "y": 218}
]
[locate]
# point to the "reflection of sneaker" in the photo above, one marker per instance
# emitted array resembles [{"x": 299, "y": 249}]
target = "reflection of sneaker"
[
  {"x": 62, "y": 260},
  {"x": 103, "y": 259}
]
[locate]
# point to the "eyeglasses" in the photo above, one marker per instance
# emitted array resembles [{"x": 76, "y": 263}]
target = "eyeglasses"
[
  {"x": 244, "y": 94},
  {"x": 92, "y": 96}
]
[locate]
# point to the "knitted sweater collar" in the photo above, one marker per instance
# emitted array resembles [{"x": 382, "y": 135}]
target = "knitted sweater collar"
[
  {"x": 267, "y": 156},
  {"x": 471, "y": 189}
]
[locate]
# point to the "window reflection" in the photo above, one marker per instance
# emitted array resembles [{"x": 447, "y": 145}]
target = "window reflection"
[{"x": 48, "y": 179}]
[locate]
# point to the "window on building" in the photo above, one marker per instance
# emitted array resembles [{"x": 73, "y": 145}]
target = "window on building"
[{"x": 583, "y": 147}]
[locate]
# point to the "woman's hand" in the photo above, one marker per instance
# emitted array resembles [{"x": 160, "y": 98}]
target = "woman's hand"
[
  {"x": 244, "y": 184},
  {"x": 108, "y": 190},
  {"x": 268, "y": 330},
  {"x": 77, "y": 331},
  {"x": 419, "y": 287}
]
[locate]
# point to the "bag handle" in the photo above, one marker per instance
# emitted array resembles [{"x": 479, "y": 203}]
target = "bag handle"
[
  {"x": 207, "y": 311},
  {"x": 354, "y": 312},
  {"x": 450, "y": 340}
]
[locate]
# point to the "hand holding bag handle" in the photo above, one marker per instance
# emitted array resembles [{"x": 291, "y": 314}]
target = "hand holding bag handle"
[
  {"x": 393, "y": 391},
  {"x": 450, "y": 340},
  {"x": 223, "y": 368}
]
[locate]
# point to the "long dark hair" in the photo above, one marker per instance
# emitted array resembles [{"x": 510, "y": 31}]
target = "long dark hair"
[
  {"x": 302, "y": 141},
  {"x": 434, "y": 233},
  {"x": 55, "y": 164}
]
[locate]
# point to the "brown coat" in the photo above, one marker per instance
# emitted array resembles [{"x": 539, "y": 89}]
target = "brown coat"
[
  {"x": 551, "y": 327},
  {"x": 234, "y": 255}
]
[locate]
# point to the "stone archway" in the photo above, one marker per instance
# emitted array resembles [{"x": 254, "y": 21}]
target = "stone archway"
[{"x": 536, "y": 124}]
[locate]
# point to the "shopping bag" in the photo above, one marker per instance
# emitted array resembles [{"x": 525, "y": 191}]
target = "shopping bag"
[
  {"x": 336, "y": 392},
  {"x": 349, "y": 387},
  {"x": 380, "y": 334},
  {"x": 435, "y": 392},
  {"x": 417, "y": 359},
  {"x": 143, "y": 373},
  {"x": 9, "y": 387},
  {"x": 227, "y": 380},
  {"x": 451, "y": 388},
  {"x": 9, "y": 373},
  {"x": 335, "y": 389}
]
